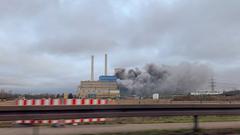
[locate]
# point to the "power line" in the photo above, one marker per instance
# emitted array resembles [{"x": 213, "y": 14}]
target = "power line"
[{"x": 226, "y": 83}]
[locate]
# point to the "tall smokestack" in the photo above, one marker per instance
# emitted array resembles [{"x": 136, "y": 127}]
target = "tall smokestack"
[
  {"x": 105, "y": 64},
  {"x": 92, "y": 68}
]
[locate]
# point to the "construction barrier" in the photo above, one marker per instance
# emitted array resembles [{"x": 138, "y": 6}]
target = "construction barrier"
[
  {"x": 56, "y": 102},
  {"x": 74, "y": 121}
]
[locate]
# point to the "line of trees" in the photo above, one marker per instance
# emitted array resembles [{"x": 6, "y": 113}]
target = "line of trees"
[{"x": 8, "y": 95}]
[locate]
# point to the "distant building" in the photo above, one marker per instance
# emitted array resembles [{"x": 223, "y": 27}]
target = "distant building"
[
  {"x": 206, "y": 92},
  {"x": 105, "y": 87},
  {"x": 155, "y": 96},
  {"x": 99, "y": 89}
]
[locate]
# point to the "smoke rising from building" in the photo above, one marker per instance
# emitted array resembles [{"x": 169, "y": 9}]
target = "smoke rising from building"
[{"x": 164, "y": 79}]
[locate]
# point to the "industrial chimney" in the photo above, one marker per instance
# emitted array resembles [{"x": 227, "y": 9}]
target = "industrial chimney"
[
  {"x": 105, "y": 65},
  {"x": 92, "y": 68}
]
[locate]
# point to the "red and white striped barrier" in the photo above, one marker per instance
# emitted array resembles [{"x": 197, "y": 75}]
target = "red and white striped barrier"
[
  {"x": 74, "y": 121},
  {"x": 85, "y": 101},
  {"x": 56, "y": 102},
  {"x": 38, "y": 102},
  {"x": 53, "y": 102}
]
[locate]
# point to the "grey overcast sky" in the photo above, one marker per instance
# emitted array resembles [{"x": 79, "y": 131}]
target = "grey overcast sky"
[{"x": 46, "y": 45}]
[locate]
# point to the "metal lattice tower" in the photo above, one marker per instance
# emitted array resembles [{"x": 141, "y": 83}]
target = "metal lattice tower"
[{"x": 212, "y": 84}]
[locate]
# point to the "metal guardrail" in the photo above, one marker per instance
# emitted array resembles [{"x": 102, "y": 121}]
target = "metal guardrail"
[{"x": 8, "y": 113}]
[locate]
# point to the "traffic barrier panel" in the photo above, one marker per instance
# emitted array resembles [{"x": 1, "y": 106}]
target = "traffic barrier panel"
[
  {"x": 51, "y": 102},
  {"x": 54, "y": 102},
  {"x": 72, "y": 121}
]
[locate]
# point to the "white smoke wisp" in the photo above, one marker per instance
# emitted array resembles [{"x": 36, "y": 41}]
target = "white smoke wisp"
[{"x": 179, "y": 79}]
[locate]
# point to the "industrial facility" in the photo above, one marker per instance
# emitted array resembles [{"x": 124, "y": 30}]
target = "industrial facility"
[
  {"x": 105, "y": 87},
  {"x": 206, "y": 92}
]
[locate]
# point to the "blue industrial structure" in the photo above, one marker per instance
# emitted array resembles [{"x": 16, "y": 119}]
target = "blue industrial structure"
[{"x": 107, "y": 78}]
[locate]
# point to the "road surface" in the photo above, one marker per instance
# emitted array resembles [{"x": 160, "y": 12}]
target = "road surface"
[{"x": 93, "y": 129}]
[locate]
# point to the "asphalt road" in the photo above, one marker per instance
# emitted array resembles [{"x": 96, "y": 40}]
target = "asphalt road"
[{"x": 93, "y": 129}]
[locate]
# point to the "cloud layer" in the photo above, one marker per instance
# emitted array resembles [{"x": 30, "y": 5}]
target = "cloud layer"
[{"x": 47, "y": 44}]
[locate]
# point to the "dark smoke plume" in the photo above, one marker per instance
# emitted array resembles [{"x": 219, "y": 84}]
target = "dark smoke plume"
[{"x": 163, "y": 79}]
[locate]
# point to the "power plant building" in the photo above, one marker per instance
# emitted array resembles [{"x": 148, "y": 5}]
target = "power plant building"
[
  {"x": 99, "y": 89},
  {"x": 105, "y": 87}
]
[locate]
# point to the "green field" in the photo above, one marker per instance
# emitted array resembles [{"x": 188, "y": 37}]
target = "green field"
[
  {"x": 172, "y": 119},
  {"x": 180, "y": 132}
]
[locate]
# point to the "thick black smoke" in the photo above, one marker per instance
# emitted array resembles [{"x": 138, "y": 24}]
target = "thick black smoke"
[{"x": 179, "y": 79}]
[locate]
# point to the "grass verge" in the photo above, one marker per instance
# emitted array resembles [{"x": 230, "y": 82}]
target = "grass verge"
[
  {"x": 172, "y": 119},
  {"x": 179, "y": 132}
]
